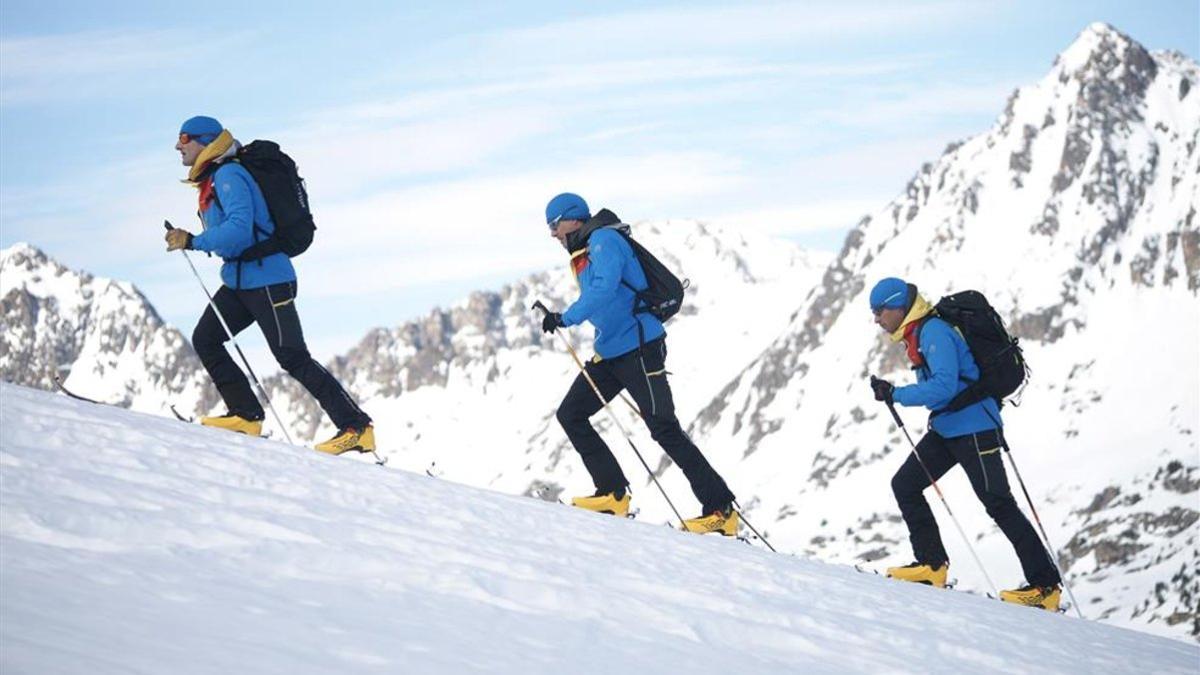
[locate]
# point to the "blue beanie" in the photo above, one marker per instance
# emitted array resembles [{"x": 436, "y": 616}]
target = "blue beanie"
[
  {"x": 891, "y": 293},
  {"x": 567, "y": 206},
  {"x": 203, "y": 130}
]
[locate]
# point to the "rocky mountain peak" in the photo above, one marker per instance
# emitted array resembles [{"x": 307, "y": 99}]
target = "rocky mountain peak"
[
  {"x": 24, "y": 255},
  {"x": 101, "y": 336},
  {"x": 24, "y": 265},
  {"x": 1103, "y": 55}
]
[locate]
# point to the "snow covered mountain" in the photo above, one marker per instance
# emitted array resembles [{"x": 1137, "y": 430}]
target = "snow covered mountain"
[
  {"x": 100, "y": 336},
  {"x": 1076, "y": 215},
  {"x": 137, "y": 544}
]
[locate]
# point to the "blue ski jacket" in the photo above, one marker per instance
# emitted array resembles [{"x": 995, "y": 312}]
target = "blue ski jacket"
[
  {"x": 948, "y": 361},
  {"x": 604, "y": 301},
  {"x": 229, "y": 222}
]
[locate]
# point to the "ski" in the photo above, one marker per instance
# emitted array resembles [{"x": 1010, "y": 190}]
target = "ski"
[
  {"x": 747, "y": 539},
  {"x": 629, "y": 516},
  {"x": 379, "y": 461},
  {"x": 863, "y": 570},
  {"x": 950, "y": 583},
  {"x": 61, "y": 387},
  {"x": 751, "y": 538},
  {"x": 1063, "y": 608},
  {"x": 179, "y": 417}
]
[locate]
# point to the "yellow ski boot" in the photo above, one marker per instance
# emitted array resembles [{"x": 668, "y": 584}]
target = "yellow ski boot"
[
  {"x": 921, "y": 573},
  {"x": 606, "y": 502},
  {"x": 1046, "y": 597},
  {"x": 231, "y": 422},
  {"x": 350, "y": 439},
  {"x": 724, "y": 522}
]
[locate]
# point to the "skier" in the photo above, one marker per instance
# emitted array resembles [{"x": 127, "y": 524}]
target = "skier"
[
  {"x": 233, "y": 212},
  {"x": 968, "y": 437},
  {"x": 631, "y": 353}
]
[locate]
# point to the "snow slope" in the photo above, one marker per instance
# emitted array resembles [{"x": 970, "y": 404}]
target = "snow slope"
[{"x": 132, "y": 543}]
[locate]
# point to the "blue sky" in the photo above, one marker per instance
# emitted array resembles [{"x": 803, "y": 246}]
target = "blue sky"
[{"x": 432, "y": 135}]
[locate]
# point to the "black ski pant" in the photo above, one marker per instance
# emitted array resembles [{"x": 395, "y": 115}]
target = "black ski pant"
[
  {"x": 979, "y": 455},
  {"x": 643, "y": 374},
  {"x": 273, "y": 308}
]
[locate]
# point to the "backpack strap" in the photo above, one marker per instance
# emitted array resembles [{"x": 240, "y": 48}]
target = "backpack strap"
[
  {"x": 964, "y": 398},
  {"x": 640, "y": 305},
  {"x": 261, "y": 248}
]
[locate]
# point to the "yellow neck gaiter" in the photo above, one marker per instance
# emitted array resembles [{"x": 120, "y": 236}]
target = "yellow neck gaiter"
[
  {"x": 920, "y": 309},
  {"x": 220, "y": 145}
]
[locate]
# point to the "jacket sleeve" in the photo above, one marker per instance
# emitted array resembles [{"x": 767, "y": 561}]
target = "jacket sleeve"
[
  {"x": 235, "y": 232},
  {"x": 606, "y": 259},
  {"x": 941, "y": 356}
]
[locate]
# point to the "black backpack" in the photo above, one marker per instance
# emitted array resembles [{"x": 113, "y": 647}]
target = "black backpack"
[
  {"x": 287, "y": 201},
  {"x": 663, "y": 295},
  {"x": 1002, "y": 365}
]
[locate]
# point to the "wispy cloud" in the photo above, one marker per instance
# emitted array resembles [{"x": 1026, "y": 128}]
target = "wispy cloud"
[
  {"x": 43, "y": 68},
  {"x": 89, "y": 53},
  {"x": 707, "y": 26},
  {"x": 344, "y": 161},
  {"x": 900, "y": 104}
]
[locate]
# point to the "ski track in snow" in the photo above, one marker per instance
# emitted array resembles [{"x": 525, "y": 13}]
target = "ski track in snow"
[{"x": 134, "y": 544}]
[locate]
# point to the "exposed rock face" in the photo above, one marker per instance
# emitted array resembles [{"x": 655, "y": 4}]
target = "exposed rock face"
[{"x": 100, "y": 336}]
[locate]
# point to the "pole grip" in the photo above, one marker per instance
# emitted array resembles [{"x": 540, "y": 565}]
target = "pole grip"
[
  {"x": 538, "y": 305},
  {"x": 167, "y": 225},
  {"x": 891, "y": 406}
]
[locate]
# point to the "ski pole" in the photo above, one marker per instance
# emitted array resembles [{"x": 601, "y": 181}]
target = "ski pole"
[
  {"x": 213, "y": 305},
  {"x": 611, "y": 415},
  {"x": 735, "y": 506},
  {"x": 938, "y": 490},
  {"x": 1053, "y": 552},
  {"x": 738, "y": 508}
]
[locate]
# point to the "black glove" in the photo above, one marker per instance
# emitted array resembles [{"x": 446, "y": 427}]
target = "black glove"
[
  {"x": 551, "y": 322},
  {"x": 178, "y": 239},
  {"x": 883, "y": 390}
]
